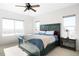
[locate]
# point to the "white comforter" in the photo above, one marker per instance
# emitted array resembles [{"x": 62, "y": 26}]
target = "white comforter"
[{"x": 46, "y": 39}]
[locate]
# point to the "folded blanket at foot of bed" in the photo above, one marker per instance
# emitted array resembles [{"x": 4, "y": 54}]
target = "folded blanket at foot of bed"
[{"x": 38, "y": 43}]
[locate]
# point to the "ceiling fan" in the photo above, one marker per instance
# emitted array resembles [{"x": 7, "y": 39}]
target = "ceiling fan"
[{"x": 28, "y": 6}]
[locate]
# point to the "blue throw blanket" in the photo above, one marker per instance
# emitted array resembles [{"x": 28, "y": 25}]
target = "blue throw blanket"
[{"x": 38, "y": 43}]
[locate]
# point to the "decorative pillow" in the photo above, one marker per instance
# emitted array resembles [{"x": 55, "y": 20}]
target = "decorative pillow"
[
  {"x": 42, "y": 32},
  {"x": 50, "y": 32}
]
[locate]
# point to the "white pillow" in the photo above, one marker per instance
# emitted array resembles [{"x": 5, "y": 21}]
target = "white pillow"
[
  {"x": 42, "y": 32},
  {"x": 50, "y": 32}
]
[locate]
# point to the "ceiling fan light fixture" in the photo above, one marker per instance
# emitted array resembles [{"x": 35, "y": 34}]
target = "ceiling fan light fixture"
[{"x": 28, "y": 6}]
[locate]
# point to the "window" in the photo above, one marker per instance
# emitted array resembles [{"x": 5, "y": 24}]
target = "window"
[
  {"x": 19, "y": 28},
  {"x": 11, "y": 27},
  {"x": 37, "y": 26},
  {"x": 69, "y": 24},
  {"x": 7, "y": 27}
]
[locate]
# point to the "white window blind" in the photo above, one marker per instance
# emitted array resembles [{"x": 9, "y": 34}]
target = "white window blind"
[
  {"x": 11, "y": 27},
  {"x": 7, "y": 27},
  {"x": 69, "y": 24},
  {"x": 19, "y": 27},
  {"x": 37, "y": 26}
]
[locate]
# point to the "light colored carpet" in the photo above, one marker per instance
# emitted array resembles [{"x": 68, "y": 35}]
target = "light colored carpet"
[
  {"x": 14, "y": 50},
  {"x": 58, "y": 51},
  {"x": 2, "y": 52},
  {"x": 11, "y": 50}
]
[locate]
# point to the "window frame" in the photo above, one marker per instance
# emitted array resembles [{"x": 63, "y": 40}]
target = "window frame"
[
  {"x": 14, "y": 30},
  {"x": 71, "y": 26},
  {"x": 36, "y": 28}
]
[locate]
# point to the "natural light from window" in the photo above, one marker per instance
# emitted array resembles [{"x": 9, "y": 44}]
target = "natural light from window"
[
  {"x": 12, "y": 27},
  {"x": 69, "y": 24},
  {"x": 37, "y": 26}
]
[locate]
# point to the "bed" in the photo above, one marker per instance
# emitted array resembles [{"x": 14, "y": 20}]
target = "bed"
[{"x": 41, "y": 44}]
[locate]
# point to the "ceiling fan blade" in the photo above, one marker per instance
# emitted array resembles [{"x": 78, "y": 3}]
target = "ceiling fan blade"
[
  {"x": 33, "y": 9},
  {"x": 25, "y": 9},
  {"x": 35, "y": 5},
  {"x": 27, "y": 4},
  {"x": 20, "y": 6}
]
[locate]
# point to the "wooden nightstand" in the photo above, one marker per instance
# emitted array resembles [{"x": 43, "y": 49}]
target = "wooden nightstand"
[{"x": 68, "y": 43}]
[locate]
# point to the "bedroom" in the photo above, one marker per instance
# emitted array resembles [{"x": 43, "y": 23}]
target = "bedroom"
[{"x": 48, "y": 14}]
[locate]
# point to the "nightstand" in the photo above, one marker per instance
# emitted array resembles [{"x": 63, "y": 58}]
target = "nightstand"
[{"x": 68, "y": 43}]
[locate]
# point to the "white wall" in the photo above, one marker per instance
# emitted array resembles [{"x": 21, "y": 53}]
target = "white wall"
[
  {"x": 57, "y": 17},
  {"x": 28, "y": 25},
  {"x": 8, "y": 14}
]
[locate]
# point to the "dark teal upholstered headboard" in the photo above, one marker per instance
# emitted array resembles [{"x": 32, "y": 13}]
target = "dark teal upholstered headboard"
[{"x": 50, "y": 27}]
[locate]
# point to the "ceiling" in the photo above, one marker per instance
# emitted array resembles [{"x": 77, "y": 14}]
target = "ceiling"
[{"x": 44, "y": 8}]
